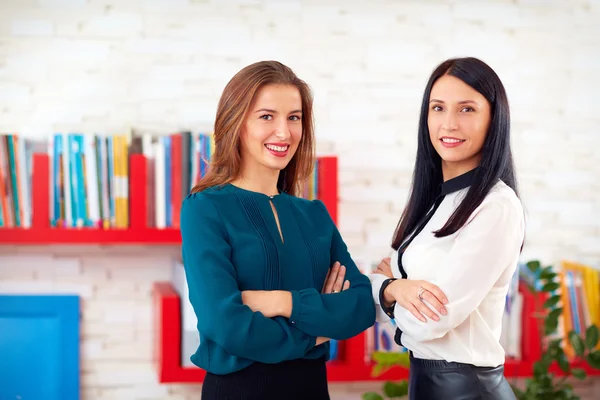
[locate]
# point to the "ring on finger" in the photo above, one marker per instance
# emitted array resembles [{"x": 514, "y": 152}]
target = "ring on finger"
[{"x": 420, "y": 294}]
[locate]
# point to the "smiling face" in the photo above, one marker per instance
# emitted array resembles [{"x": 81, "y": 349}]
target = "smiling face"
[
  {"x": 272, "y": 130},
  {"x": 458, "y": 121}
]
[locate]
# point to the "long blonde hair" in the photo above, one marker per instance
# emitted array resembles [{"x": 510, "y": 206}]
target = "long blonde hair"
[{"x": 232, "y": 111}]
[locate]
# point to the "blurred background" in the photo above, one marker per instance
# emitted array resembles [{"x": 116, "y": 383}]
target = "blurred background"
[{"x": 143, "y": 76}]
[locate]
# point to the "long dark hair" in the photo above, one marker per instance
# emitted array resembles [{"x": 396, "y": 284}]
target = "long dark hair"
[{"x": 496, "y": 160}]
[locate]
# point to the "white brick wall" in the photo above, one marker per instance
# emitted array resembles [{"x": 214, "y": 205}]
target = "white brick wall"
[{"x": 158, "y": 64}]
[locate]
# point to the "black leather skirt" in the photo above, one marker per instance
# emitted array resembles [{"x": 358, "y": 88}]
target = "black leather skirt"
[{"x": 442, "y": 380}]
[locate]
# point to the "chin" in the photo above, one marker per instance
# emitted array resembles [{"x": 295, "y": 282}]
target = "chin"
[
  {"x": 450, "y": 156},
  {"x": 277, "y": 165},
  {"x": 452, "y": 159}
]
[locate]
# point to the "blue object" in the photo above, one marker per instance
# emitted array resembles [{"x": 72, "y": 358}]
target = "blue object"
[
  {"x": 39, "y": 347},
  {"x": 333, "y": 350}
]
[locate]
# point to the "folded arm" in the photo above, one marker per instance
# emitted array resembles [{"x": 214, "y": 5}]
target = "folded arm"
[
  {"x": 336, "y": 315},
  {"x": 216, "y": 298},
  {"x": 484, "y": 249}
]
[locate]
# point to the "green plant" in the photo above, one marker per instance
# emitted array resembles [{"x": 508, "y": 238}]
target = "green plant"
[
  {"x": 383, "y": 362},
  {"x": 545, "y": 385}
]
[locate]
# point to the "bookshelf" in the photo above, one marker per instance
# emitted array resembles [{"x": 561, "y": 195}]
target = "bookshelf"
[{"x": 42, "y": 234}]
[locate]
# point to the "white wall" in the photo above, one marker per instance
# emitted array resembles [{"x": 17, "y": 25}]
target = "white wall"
[{"x": 161, "y": 65}]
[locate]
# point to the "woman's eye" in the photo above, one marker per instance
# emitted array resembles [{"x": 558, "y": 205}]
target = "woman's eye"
[
  {"x": 436, "y": 108},
  {"x": 267, "y": 117},
  {"x": 467, "y": 109},
  {"x": 294, "y": 118}
]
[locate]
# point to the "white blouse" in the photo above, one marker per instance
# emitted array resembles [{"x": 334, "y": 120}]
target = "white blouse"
[{"x": 473, "y": 267}]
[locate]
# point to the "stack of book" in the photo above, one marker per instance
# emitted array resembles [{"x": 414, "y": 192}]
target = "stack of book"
[
  {"x": 15, "y": 180},
  {"x": 90, "y": 177}
]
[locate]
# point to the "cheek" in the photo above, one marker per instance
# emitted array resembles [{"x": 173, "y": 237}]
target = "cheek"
[
  {"x": 434, "y": 121},
  {"x": 432, "y": 126},
  {"x": 478, "y": 132},
  {"x": 255, "y": 136},
  {"x": 296, "y": 133}
]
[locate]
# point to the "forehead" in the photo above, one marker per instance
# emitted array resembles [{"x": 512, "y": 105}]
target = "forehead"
[
  {"x": 278, "y": 97},
  {"x": 449, "y": 88}
]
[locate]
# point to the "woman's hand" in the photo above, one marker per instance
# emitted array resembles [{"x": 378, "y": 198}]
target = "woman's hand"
[
  {"x": 334, "y": 281},
  {"x": 412, "y": 295},
  {"x": 384, "y": 268},
  {"x": 321, "y": 340}
]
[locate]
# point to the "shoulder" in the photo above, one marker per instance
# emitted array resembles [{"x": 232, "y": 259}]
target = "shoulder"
[
  {"x": 203, "y": 203},
  {"x": 503, "y": 194},
  {"x": 200, "y": 215},
  {"x": 208, "y": 195},
  {"x": 502, "y": 205}
]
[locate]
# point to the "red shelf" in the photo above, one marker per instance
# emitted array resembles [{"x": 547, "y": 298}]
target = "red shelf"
[
  {"x": 167, "y": 348},
  {"x": 49, "y": 236},
  {"x": 42, "y": 234}
]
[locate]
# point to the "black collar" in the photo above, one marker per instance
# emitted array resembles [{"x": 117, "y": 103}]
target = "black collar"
[{"x": 460, "y": 182}]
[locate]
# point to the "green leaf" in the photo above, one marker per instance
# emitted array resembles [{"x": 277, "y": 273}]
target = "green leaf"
[
  {"x": 591, "y": 337},
  {"x": 540, "y": 369},
  {"x": 577, "y": 343},
  {"x": 578, "y": 373},
  {"x": 593, "y": 359},
  {"x": 554, "y": 350},
  {"x": 550, "y": 324},
  {"x": 550, "y": 287},
  {"x": 551, "y": 302},
  {"x": 371, "y": 396},
  {"x": 563, "y": 363},
  {"x": 554, "y": 314},
  {"x": 559, "y": 355},
  {"x": 377, "y": 370},
  {"x": 392, "y": 389},
  {"x": 547, "y": 274},
  {"x": 386, "y": 360},
  {"x": 533, "y": 266},
  {"x": 390, "y": 359}
]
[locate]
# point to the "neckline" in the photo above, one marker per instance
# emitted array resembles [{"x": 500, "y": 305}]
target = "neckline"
[
  {"x": 260, "y": 194},
  {"x": 459, "y": 182}
]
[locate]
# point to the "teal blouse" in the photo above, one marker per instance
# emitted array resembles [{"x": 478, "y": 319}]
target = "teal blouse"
[{"x": 231, "y": 243}]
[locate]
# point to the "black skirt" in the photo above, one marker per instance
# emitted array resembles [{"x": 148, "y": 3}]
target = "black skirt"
[
  {"x": 435, "y": 380},
  {"x": 290, "y": 380}
]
